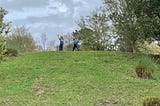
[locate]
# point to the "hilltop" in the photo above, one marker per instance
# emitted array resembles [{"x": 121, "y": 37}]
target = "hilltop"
[{"x": 84, "y": 78}]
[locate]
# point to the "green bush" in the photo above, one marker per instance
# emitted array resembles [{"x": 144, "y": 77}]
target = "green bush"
[
  {"x": 155, "y": 57},
  {"x": 145, "y": 67},
  {"x": 11, "y": 52},
  {"x": 151, "y": 101}
]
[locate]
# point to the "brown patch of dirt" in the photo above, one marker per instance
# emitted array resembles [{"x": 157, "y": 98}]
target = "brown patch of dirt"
[
  {"x": 42, "y": 86},
  {"x": 35, "y": 84},
  {"x": 115, "y": 88},
  {"x": 105, "y": 102},
  {"x": 39, "y": 92},
  {"x": 6, "y": 103}
]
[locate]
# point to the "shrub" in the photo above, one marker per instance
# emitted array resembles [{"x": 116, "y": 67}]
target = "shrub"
[
  {"x": 11, "y": 52},
  {"x": 145, "y": 67},
  {"x": 155, "y": 57},
  {"x": 151, "y": 101},
  {"x": 2, "y": 48}
]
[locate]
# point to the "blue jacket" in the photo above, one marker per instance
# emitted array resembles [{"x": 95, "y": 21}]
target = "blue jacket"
[{"x": 75, "y": 41}]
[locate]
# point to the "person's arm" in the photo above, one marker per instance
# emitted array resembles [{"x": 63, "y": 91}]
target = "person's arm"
[
  {"x": 58, "y": 36},
  {"x": 62, "y": 37}
]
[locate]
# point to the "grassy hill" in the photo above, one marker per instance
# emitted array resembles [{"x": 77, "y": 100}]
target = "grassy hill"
[{"x": 74, "y": 79}]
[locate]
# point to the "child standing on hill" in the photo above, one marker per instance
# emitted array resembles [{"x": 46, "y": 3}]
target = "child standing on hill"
[
  {"x": 61, "y": 39},
  {"x": 75, "y": 42}
]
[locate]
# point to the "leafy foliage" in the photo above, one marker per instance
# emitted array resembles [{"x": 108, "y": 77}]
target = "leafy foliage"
[
  {"x": 148, "y": 15},
  {"x": 21, "y": 40},
  {"x": 4, "y": 30},
  {"x": 123, "y": 17},
  {"x": 94, "y": 31},
  {"x": 2, "y": 48},
  {"x": 148, "y": 48},
  {"x": 87, "y": 36},
  {"x": 134, "y": 21},
  {"x": 11, "y": 52}
]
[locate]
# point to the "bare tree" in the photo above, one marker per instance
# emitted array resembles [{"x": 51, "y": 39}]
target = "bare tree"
[
  {"x": 68, "y": 39},
  {"x": 44, "y": 41},
  {"x": 21, "y": 39},
  {"x": 51, "y": 46}
]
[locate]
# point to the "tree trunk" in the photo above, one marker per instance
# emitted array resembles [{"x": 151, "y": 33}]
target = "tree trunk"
[{"x": 133, "y": 45}]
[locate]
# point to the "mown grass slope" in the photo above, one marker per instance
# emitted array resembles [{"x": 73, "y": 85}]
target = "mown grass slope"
[{"x": 84, "y": 78}]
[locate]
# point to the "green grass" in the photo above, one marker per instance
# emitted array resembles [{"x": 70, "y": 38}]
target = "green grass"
[{"x": 74, "y": 79}]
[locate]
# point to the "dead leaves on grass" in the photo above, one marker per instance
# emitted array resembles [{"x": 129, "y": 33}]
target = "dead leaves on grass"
[{"x": 42, "y": 86}]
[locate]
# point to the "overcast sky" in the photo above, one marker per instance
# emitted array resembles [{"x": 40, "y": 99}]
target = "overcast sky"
[{"x": 48, "y": 16}]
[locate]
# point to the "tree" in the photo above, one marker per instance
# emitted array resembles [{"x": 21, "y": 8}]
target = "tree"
[
  {"x": 134, "y": 20},
  {"x": 43, "y": 41},
  {"x": 123, "y": 18},
  {"x": 87, "y": 35},
  {"x": 51, "y": 46},
  {"x": 94, "y": 31},
  {"x": 21, "y": 39},
  {"x": 4, "y": 30},
  {"x": 68, "y": 39},
  {"x": 148, "y": 14}
]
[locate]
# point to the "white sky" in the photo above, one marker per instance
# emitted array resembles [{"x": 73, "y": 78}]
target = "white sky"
[{"x": 48, "y": 16}]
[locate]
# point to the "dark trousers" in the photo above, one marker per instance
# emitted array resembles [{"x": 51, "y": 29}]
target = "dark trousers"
[
  {"x": 75, "y": 46},
  {"x": 60, "y": 47}
]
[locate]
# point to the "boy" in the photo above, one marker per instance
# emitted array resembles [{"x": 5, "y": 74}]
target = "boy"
[
  {"x": 61, "y": 39},
  {"x": 75, "y": 41}
]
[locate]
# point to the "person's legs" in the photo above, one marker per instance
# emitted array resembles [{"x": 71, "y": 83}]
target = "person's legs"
[
  {"x": 60, "y": 47},
  {"x": 74, "y": 47},
  {"x": 77, "y": 47}
]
